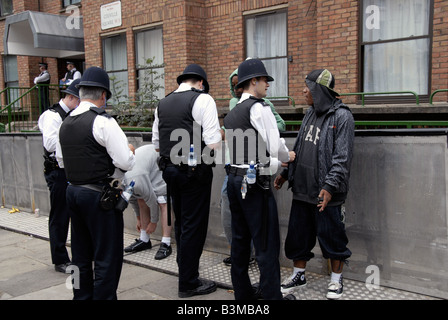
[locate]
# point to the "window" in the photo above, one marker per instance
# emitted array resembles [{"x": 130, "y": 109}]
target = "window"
[
  {"x": 266, "y": 39},
  {"x": 116, "y": 64},
  {"x": 396, "y": 45},
  {"x": 11, "y": 77},
  {"x": 66, "y": 3},
  {"x": 149, "y": 45},
  {"x": 6, "y": 7}
]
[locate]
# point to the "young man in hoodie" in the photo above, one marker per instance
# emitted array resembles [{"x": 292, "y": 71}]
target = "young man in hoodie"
[{"x": 319, "y": 178}]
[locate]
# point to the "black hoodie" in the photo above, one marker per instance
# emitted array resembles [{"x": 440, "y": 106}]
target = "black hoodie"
[{"x": 310, "y": 170}]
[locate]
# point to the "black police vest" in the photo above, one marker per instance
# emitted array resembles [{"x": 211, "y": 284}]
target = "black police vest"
[
  {"x": 85, "y": 160},
  {"x": 245, "y": 143},
  {"x": 175, "y": 112},
  {"x": 70, "y": 75}
]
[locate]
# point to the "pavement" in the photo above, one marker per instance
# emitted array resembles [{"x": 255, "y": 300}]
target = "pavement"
[{"x": 26, "y": 271}]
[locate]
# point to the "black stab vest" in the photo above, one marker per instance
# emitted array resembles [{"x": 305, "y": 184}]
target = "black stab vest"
[
  {"x": 85, "y": 160},
  {"x": 244, "y": 141},
  {"x": 175, "y": 112}
]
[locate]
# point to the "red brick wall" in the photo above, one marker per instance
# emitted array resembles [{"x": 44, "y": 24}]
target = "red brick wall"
[{"x": 440, "y": 49}]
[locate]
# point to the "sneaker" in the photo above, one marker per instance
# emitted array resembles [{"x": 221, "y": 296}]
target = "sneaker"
[
  {"x": 163, "y": 252},
  {"x": 295, "y": 280},
  {"x": 138, "y": 245},
  {"x": 335, "y": 289}
]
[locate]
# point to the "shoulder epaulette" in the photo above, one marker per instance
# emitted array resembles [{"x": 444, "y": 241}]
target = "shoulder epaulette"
[
  {"x": 197, "y": 90},
  {"x": 100, "y": 111},
  {"x": 258, "y": 100}
]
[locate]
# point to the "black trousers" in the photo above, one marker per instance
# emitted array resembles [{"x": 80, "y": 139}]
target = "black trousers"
[
  {"x": 96, "y": 236},
  {"x": 306, "y": 223},
  {"x": 190, "y": 197},
  {"x": 59, "y": 218},
  {"x": 247, "y": 225}
]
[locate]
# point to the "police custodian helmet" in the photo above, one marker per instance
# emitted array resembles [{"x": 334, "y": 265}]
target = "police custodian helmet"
[
  {"x": 251, "y": 68},
  {"x": 196, "y": 71},
  {"x": 96, "y": 77}
]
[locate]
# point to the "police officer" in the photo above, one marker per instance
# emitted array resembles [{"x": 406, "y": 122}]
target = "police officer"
[
  {"x": 49, "y": 124},
  {"x": 71, "y": 75},
  {"x": 252, "y": 135},
  {"x": 43, "y": 79},
  {"x": 94, "y": 151},
  {"x": 190, "y": 114}
]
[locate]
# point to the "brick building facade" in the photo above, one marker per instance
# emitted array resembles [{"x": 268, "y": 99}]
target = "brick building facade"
[{"x": 216, "y": 35}]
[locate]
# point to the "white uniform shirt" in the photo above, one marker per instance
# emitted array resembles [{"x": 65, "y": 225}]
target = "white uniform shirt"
[
  {"x": 204, "y": 112},
  {"x": 108, "y": 134},
  {"x": 49, "y": 123},
  {"x": 76, "y": 75},
  {"x": 44, "y": 76}
]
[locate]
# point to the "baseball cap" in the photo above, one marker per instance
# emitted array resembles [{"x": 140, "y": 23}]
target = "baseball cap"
[{"x": 324, "y": 78}]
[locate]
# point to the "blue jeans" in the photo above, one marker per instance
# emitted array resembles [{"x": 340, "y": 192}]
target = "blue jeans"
[{"x": 306, "y": 223}]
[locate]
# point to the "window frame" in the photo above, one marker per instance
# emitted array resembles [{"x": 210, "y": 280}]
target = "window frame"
[
  {"x": 71, "y": 3},
  {"x": 6, "y": 14},
  {"x": 137, "y": 66},
  {"x": 286, "y": 57},
  {"x": 390, "y": 98},
  {"x": 113, "y": 71}
]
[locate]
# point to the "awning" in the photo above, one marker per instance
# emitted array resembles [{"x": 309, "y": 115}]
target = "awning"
[{"x": 42, "y": 34}]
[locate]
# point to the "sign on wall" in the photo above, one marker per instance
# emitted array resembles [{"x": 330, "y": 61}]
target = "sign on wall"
[{"x": 111, "y": 15}]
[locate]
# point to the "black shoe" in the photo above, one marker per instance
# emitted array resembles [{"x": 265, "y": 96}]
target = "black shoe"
[
  {"x": 227, "y": 261},
  {"x": 62, "y": 267},
  {"x": 205, "y": 287},
  {"x": 257, "y": 291},
  {"x": 289, "y": 297},
  {"x": 163, "y": 252},
  {"x": 138, "y": 245}
]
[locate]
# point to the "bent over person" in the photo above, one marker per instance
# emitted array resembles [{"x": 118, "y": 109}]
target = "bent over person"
[
  {"x": 95, "y": 151},
  {"x": 319, "y": 178}
]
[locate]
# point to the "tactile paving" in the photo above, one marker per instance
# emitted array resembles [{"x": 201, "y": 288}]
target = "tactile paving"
[{"x": 211, "y": 265}]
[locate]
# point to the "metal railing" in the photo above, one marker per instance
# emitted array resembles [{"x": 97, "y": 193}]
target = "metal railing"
[
  {"x": 434, "y": 93},
  {"x": 363, "y": 94},
  {"x": 385, "y": 124},
  {"x": 292, "y": 102},
  {"x": 21, "y": 106}
]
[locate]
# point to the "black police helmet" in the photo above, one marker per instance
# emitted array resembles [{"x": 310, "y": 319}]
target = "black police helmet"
[
  {"x": 96, "y": 77},
  {"x": 251, "y": 68},
  {"x": 73, "y": 88},
  {"x": 194, "y": 70}
]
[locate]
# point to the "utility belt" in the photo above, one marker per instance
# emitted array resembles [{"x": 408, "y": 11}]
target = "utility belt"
[
  {"x": 263, "y": 181},
  {"x": 198, "y": 170},
  {"x": 110, "y": 190},
  {"x": 50, "y": 164}
]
